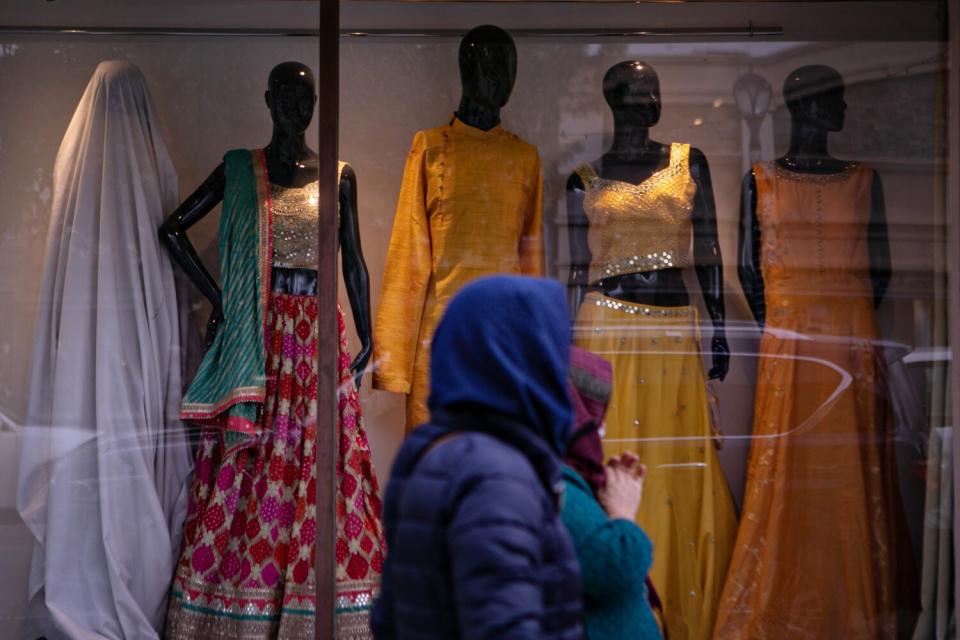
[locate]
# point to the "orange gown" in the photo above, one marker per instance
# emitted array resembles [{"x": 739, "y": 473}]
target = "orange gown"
[
  {"x": 470, "y": 205},
  {"x": 818, "y": 552}
]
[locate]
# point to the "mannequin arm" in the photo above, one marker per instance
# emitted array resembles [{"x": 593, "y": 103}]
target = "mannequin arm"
[
  {"x": 174, "y": 237},
  {"x": 355, "y": 274},
  {"x": 708, "y": 262},
  {"x": 748, "y": 259},
  {"x": 577, "y": 227},
  {"x": 879, "y": 242}
]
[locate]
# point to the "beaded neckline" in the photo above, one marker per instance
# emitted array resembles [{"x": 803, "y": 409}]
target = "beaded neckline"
[
  {"x": 592, "y": 178},
  {"x": 801, "y": 176},
  {"x": 652, "y": 176}
]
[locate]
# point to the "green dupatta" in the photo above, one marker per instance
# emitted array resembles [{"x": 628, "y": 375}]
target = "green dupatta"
[{"x": 230, "y": 386}]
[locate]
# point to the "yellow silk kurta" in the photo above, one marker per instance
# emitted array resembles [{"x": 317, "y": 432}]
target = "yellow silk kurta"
[
  {"x": 820, "y": 549},
  {"x": 470, "y": 205}
]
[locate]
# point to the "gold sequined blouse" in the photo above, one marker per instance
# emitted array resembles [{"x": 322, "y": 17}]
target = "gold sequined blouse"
[
  {"x": 640, "y": 227},
  {"x": 295, "y": 224}
]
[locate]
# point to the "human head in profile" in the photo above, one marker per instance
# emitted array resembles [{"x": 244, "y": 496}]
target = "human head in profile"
[{"x": 477, "y": 547}]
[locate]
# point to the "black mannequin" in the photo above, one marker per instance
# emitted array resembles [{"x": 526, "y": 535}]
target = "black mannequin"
[
  {"x": 632, "y": 89},
  {"x": 291, "y": 97},
  {"x": 814, "y": 96},
  {"x": 488, "y": 69}
]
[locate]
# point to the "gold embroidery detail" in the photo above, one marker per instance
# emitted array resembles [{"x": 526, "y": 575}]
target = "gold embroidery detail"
[
  {"x": 296, "y": 231},
  {"x": 641, "y": 310},
  {"x": 650, "y": 262},
  {"x": 818, "y": 178},
  {"x": 640, "y": 227}
]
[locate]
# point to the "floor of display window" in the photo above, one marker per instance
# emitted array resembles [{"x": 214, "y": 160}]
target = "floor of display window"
[{"x": 16, "y": 542}]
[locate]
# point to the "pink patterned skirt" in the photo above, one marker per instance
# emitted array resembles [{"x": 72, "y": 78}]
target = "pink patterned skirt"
[{"x": 247, "y": 565}]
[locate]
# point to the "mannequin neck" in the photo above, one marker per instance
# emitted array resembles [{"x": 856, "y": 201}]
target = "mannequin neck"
[
  {"x": 477, "y": 115},
  {"x": 631, "y": 141},
  {"x": 808, "y": 148},
  {"x": 288, "y": 154}
]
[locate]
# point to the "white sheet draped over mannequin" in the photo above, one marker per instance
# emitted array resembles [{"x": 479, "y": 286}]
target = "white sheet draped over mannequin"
[{"x": 104, "y": 460}]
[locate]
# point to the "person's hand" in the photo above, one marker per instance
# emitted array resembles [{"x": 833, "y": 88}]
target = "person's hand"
[
  {"x": 621, "y": 495},
  {"x": 628, "y": 461},
  {"x": 717, "y": 437},
  {"x": 721, "y": 358},
  {"x": 359, "y": 364}
]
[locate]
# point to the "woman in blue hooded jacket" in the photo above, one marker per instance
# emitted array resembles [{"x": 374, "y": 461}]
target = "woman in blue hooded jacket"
[{"x": 476, "y": 546}]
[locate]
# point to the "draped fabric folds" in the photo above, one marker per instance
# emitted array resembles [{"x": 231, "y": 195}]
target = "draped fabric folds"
[
  {"x": 822, "y": 550},
  {"x": 104, "y": 460},
  {"x": 938, "y": 619}
]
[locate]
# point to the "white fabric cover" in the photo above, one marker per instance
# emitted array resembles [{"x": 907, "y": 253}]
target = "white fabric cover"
[{"x": 104, "y": 460}]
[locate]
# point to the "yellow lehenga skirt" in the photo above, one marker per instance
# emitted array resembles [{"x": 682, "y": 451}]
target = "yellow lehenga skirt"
[{"x": 659, "y": 410}]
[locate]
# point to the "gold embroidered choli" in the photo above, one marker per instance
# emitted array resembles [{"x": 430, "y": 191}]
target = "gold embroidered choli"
[
  {"x": 640, "y": 227},
  {"x": 296, "y": 228}
]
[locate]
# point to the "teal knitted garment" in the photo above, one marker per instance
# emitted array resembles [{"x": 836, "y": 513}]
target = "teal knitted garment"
[{"x": 614, "y": 557}]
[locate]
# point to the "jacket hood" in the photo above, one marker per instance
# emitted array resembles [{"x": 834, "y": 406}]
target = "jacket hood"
[{"x": 503, "y": 347}]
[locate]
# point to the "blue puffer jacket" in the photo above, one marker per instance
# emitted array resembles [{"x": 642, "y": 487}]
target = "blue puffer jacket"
[{"x": 476, "y": 546}]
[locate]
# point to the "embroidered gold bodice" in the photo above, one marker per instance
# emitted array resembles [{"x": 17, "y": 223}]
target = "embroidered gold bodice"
[
  {"x": 640, "y": 227},
  {"x": 296, "y": 230}
]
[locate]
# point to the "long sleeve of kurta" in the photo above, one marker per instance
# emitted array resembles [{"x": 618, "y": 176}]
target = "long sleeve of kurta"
[
  {"x": 531, "y": 244},
  {"x": 405, "y": 279}
]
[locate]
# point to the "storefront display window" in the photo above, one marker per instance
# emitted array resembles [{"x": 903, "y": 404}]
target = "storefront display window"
[{"x": 750, "y": 206}]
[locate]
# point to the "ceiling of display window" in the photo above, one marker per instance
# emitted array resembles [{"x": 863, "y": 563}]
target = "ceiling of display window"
[
  {"x": 791, "y": 20},
  {"x": 193, "y": 14},
  {"x": 879, "y": 20}
]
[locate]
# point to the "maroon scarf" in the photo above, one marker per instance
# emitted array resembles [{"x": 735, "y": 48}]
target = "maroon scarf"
[{"x": 590, "y": 388}]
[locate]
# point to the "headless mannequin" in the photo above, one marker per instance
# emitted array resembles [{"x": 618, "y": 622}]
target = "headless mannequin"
[
  {"x": 814, "y": 96},
  {"x": 488, "y": 69},
  {"x": 291, "y": 97},
  {"x": 632, "y": 89}
]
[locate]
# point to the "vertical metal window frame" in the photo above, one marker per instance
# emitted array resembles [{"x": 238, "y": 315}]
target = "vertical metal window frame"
[
  {"x": 952, "y": 16},
  {"x": 328, "y": 84}
]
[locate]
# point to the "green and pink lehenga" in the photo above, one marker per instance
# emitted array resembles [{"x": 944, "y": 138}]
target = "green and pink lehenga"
[{"x": 247, "y": 565}]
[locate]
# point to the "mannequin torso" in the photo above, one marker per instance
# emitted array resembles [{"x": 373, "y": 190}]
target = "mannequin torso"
[
  {"x": 815, "y": 114},
  {"x": 632, "y": 90},
  {"x": 290, "y": 163}
]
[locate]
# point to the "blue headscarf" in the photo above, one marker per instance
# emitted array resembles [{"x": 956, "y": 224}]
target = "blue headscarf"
[{"x": 503, "y": 345}]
